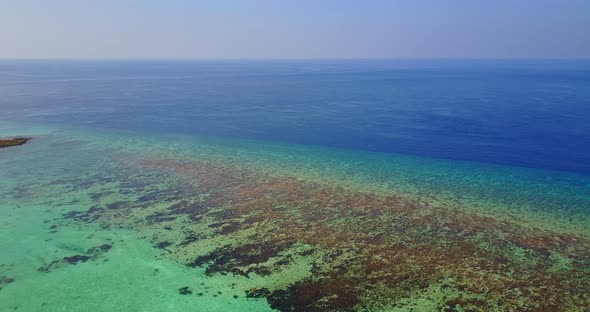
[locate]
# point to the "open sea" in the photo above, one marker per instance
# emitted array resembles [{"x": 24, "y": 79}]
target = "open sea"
[{"x": 342, "y": 185}]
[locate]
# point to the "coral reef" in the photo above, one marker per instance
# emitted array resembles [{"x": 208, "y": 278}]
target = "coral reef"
[{"x": 362, "y": 251}]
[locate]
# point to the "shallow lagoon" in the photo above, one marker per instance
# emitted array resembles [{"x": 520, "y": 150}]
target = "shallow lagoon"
[{"x": 248, "y": 224}]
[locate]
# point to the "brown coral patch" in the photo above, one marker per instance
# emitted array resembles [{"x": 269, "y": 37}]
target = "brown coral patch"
[{"x": 368, "y": 241}]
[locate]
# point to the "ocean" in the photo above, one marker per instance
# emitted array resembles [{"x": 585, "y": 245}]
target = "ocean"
[{"x": 320, "y": 185}]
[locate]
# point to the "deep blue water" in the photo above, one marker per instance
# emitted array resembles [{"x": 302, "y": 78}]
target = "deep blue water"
[{"x": 523, "y": 113}]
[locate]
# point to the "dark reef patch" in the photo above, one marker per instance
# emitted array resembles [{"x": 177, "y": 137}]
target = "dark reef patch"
[
  {"x": 332, "y": 295},
  {"x": 7, "y": 280},
  {"x": 116, "y": 205},
  {"x": 187, "y": 207},
  {"x": 87, "y": 216},
  {"x": 91, "y": 254},
  {"x": 258, "y": 293},
  {"x": 464, "y": 304},
  {"x": 185, "y": 290},
  {"x": 159, "y": 217},
  {"x": 75, "y": 259},
  {"x": 234, "y": 260},
  {"x": 163, "y": 244},
  {"x": 99, "y": 249},
  {"x": 190, "y": 238}
]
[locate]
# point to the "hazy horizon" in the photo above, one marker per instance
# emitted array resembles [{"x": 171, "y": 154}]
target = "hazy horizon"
[
  {"x": 254, "y": 59},
  {"x": 264, "y": 29}
]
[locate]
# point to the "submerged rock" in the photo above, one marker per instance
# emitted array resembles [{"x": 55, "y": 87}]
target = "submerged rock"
[
  {"x": 75, "y": 259},
  {"x": 13, "y": 142},
  {"x": 8, "y": 280},
  {"x": 91, "y": 254},
  {"x": 185, "y": 290}
]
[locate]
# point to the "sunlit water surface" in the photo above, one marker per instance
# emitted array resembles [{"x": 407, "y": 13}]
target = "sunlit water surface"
[{"x": 296, "y": 186}]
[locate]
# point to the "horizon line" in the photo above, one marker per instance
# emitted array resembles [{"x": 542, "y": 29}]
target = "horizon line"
[{"x": 297, "y": 59}]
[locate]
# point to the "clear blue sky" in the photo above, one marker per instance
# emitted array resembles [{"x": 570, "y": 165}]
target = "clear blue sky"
[{"x": 295, "y": 29}]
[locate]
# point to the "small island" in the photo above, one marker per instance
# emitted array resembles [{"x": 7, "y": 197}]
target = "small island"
[{"x": 13, "y": 141}]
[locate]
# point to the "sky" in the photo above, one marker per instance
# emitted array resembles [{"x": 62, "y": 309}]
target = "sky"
[{"x": 294, "y": 29}]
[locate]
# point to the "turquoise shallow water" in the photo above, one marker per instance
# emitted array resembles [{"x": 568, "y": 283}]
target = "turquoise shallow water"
[
  {"x": 68, "y": 169},
  {"x": 130, "y": 277},
  {"x": 548, "y": 192}
]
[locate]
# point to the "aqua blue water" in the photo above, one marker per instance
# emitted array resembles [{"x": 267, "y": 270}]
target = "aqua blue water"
[
  {"x": 522, "y": 113},
  {"x": 295, "y": 186}
]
